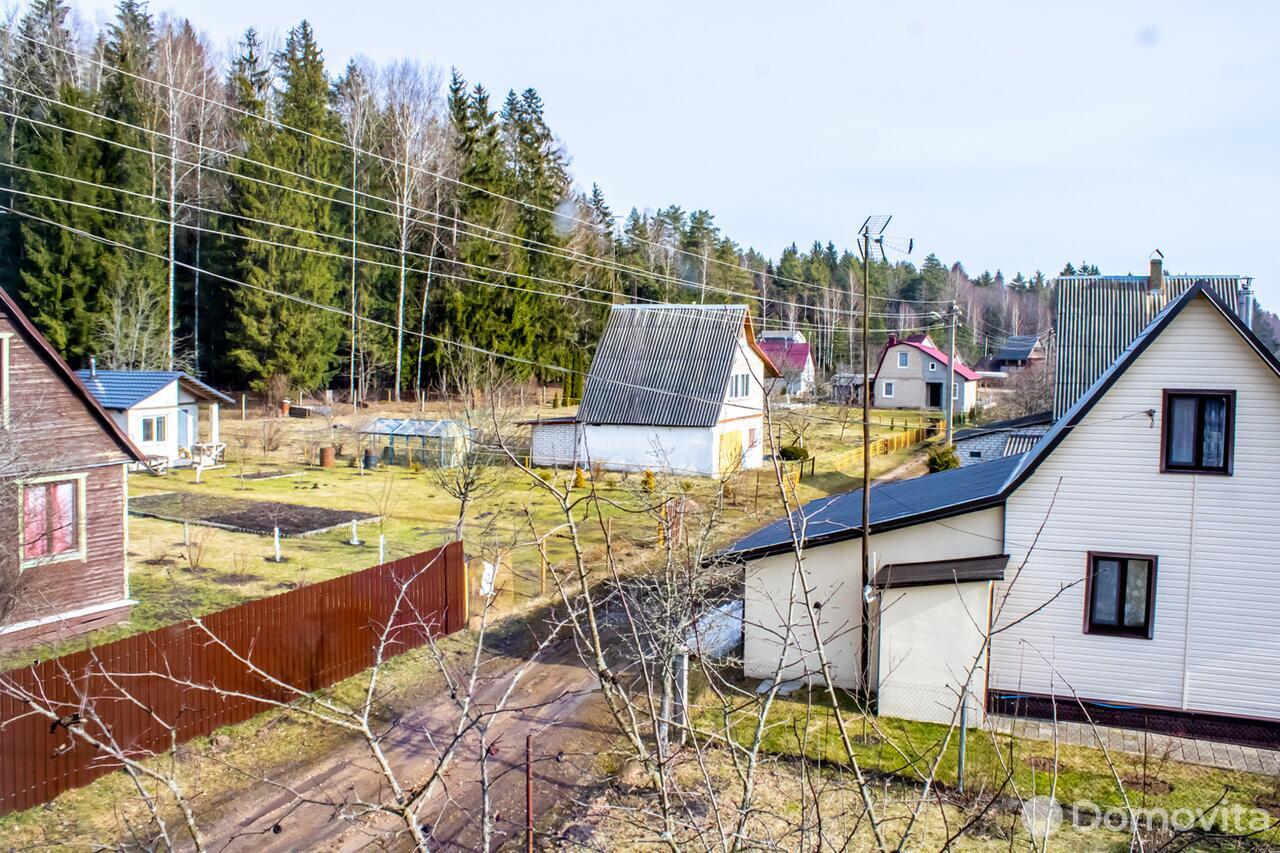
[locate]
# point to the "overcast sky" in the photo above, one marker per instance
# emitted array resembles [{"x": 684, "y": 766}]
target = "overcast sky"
[{"x": 1005, "y": 135}]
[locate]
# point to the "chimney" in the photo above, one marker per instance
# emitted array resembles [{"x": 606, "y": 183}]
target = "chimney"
[
  {"x": 1246, "y": 303},
  {"x": 93, "y": 366},
  {"x": 1156, "y": 280},
  {"x": 892, "y": 341}
]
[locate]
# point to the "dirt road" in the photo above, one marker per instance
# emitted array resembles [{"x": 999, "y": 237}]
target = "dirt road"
[{"x": 557, "y": 703}]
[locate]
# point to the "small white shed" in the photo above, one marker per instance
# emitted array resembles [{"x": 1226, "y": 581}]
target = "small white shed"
[{"x": 172, "y": 417}]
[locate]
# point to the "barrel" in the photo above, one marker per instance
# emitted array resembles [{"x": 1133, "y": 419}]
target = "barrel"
[
  {"x": 328, "y": 455},
  {"x": 370, "y": 457}
]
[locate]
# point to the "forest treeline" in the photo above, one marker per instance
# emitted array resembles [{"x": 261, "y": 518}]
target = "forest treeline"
[{"x": 168, "y": 205}]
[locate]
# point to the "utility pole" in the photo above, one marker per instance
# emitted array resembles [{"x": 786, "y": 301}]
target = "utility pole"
[
  {"x": 354, "y": 262},
  {"x": 951, "y": 375},
  {"x": 865, "y": 661}
]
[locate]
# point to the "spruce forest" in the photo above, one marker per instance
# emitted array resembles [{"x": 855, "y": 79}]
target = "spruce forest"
[{"x": 261, "y": 217}]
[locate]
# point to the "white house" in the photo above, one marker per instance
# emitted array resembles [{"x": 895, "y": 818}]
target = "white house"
[
  {"x": 792, "y": 355},
  {"x": 1141, "y": 579},
  {"x": 676, "y": 388},
  {"x": 161, "y": 412},
  {"x": 912, "y": 374}
]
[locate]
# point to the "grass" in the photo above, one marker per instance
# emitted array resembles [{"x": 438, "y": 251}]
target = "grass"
[{"x": 904, "y": 750}]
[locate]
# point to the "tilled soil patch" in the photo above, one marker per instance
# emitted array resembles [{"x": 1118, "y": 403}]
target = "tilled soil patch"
[{"x": 245, "y": 516}]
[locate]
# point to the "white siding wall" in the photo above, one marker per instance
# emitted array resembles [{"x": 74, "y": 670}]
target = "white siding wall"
[
  {"x": 679, "y": 450},
  {"x": 1216, "y": 644},
  {"x": 833, "y": 574},
  {"x": 163, "y": 403},
  {"x": 931, "y": 644}
]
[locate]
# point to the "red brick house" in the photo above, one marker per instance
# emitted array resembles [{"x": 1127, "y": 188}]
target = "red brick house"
[{"x": 63, "y": 494}]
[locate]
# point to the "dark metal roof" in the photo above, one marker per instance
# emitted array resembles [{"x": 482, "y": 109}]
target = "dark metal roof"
[
  {"x": 44, "y": 350},
  {"x": 1037, "y": 419},
  {"x": 898, "y": 575},
  {"x": 122, "y": 389},
  {"x": 1018, "y": 347},
  {"x": 894, "y": 504},
  {"x": 665, "y": 365}
]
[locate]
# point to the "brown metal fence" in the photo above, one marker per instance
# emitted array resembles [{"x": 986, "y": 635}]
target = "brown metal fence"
[{"x": 145, "y": 693}]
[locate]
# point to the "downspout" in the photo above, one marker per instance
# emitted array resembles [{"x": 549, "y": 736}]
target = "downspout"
[{"x": 1191, "y": 576}]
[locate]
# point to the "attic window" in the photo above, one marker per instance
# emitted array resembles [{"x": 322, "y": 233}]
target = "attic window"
[
  {"x": 1199, "y": 430},
  {"x": 739, "y": 386},
  {"x": 904, "y": 359},
  {"x": 933, "y": 365}
]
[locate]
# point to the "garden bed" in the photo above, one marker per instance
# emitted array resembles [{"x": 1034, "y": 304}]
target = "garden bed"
[{"x": 245, "y": 516}]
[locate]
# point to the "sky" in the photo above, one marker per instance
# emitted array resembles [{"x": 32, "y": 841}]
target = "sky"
[{"x": 1012, "y": 136}]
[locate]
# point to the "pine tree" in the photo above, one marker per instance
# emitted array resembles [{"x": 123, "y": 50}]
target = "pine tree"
[{"x": 274, "y": 335}]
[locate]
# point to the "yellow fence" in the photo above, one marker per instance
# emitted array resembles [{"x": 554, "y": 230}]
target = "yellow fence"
[{"x": 880, "y": 447}]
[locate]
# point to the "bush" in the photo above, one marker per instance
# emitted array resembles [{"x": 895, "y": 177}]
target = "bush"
[
  {"x": 793, "y": 453},
  {"x": 649, "y": 483},
  {"x": 943, "y": 458},
  {"x": 579, "y": 478}
]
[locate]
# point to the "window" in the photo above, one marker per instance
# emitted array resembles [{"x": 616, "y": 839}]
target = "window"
[
  {"x": 933, "y": 365},
  {"x": 1198, "y": 431},
  {"x": 754, "y": 438},
  {"x": 904, "y": 359},
  {"x": 52, "y": 516},
  {"x": 739, "y": 385},
  {"x": 1120, "y": 594},
  {"x": 975, "y": 454},
  {"x": 888, "y": 389},
  {"x": 153, "y": 429},
  {"x": 955, "y": 391}
]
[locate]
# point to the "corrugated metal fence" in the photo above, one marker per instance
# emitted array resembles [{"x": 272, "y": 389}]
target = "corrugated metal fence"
[{"x": 144, "y": 693}]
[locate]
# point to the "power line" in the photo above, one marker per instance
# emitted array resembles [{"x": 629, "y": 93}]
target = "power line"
[{"x": 415, "y": 167}]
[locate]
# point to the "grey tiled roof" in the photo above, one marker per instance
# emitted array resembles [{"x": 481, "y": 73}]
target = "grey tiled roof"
[
  {"x": 662, "y": 365},
  {"x": 121, "y": 389}
]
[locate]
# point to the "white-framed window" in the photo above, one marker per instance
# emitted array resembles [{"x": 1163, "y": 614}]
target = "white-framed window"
[
  {"x": 52, "y": 520},
  {"x": 739, "y": 385},
  {"x": 888, "y": 389},
  {"x": 933, "y": 365},
  {"x": 154, "y": 429},
  {"x": 904, "y": 359},
  {"x": 753, "y": 436},
  {"x": 955, "y": 391}
]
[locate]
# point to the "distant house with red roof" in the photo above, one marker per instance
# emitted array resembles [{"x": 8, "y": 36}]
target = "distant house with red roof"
[
  {"x": 912, "y": 374},
  {"x": 790, "y": 353}
]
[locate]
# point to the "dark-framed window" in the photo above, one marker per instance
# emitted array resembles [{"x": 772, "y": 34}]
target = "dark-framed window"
[
  {"x": 1120, "y": 594},
  {"x": 1199, "y": 431}
]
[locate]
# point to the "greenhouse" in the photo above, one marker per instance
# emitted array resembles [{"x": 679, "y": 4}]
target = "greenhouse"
[{"x": 406, "y": 441}]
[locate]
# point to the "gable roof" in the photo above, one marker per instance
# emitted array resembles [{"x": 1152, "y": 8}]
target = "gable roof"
[
  {"x": 949, "y": 493},
  {"x": 45, "y": 351},
  {"x": 925, "y": 344},
  {"x": 1018, "y": 347},
  {"x": 1099, "y": 316},
  {"x": 1200, "y": 290},
  {"x": 666, "y": 365},
  {"x": 785, "y": 353},
  {"x": 894, "y": 504},
  {"x": 123, "y": 389}
]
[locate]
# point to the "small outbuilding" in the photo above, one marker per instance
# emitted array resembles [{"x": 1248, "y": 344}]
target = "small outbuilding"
[
  {"x": 405, "y": 441},
  {"x": 171, "y": 416}
]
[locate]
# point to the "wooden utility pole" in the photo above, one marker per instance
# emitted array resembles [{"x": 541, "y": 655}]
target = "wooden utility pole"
[{"x": 865, "y": 658}]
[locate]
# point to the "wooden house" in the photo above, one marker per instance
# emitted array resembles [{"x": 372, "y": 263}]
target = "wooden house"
[
  {"x": 63, "y": 494},
  {"x": 676, "y": 388},
  {"x": 1141, "y": 583},
  {"x": 792, "y": 355},
  {"x": 172, "y": 417}
]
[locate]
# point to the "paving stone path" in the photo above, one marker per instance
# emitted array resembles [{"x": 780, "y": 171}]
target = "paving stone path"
[{"x": 1210, "y": 753}]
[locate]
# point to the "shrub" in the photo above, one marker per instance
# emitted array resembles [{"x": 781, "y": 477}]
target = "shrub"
[
  {"x": 649, "y": 483},
  {"x": 943, "y": 458},
  {"x": 793, "y": 452},
  {"x": 579, "y": 478}
]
